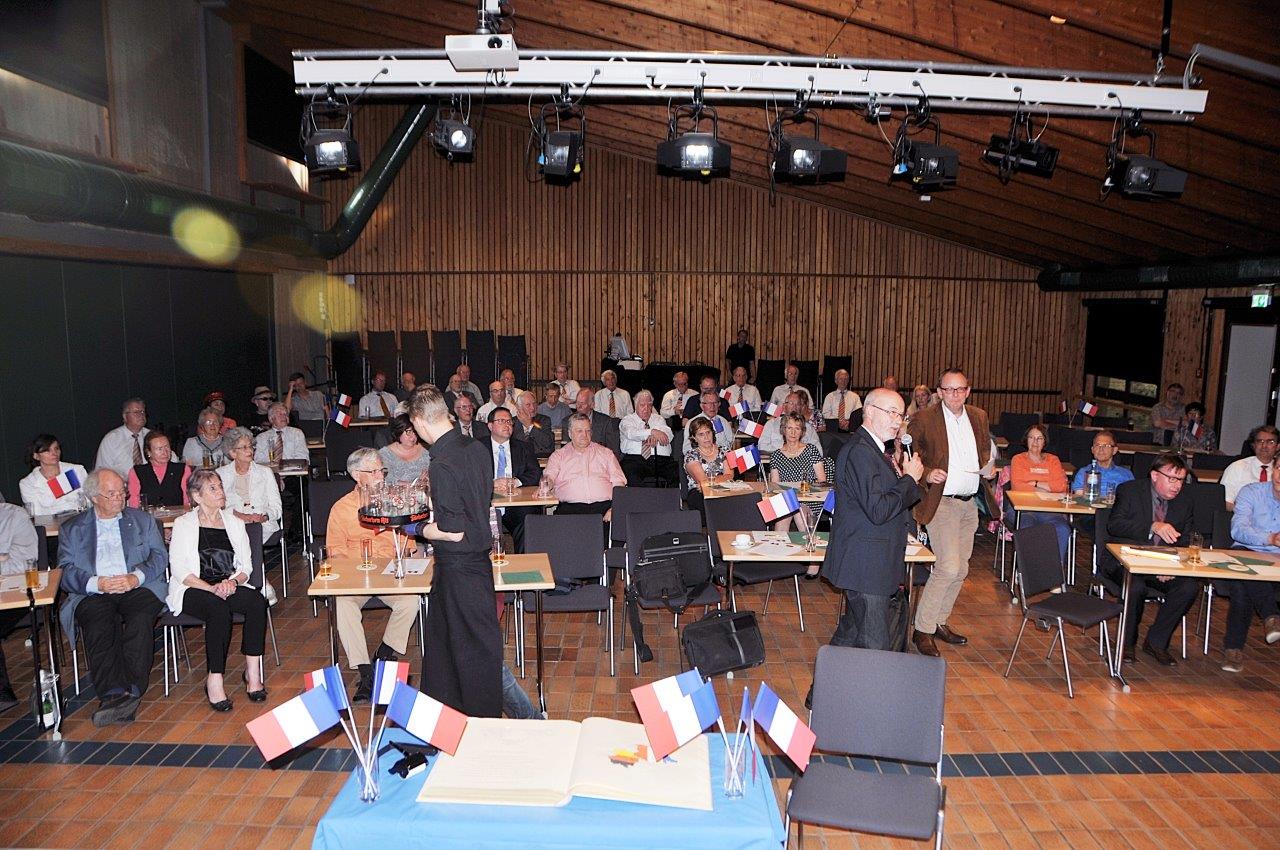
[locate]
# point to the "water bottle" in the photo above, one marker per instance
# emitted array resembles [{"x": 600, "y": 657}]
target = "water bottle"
[{"x": 1091, "y": 480}]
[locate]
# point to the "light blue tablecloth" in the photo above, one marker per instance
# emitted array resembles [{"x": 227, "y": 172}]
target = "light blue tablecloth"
[{"x": 398, "y": 822}]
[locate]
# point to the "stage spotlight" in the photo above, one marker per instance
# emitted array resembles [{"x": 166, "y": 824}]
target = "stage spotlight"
[
  {"x": 329, "y": 151},
  {"x": 694, "y": 154},
  {"x": 1027, "y": 156},
  {"x": 1138, "y": 176},
  {"x": 804, "y": 158},
  {"x": 561, "y": 154},
  {"x": 561, "y": 146},
  {"x": 453, "y": 138},
  {"x": 928, "y": 167}
]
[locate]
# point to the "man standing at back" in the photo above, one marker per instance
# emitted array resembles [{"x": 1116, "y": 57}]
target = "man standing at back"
[{"x": 953, "y": 442}]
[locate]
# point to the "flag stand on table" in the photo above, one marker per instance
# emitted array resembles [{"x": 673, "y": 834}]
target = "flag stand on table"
[
  {"x": 385, "y": 676},
  {"x": 329, "y": 681}
]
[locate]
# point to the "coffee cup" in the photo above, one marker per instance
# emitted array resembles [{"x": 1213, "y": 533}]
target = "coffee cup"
[{"x": 742, "y": 540}]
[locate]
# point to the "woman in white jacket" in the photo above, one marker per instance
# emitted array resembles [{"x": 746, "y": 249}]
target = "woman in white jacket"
[
  {"x": 251, "y": 488},
  {"x": 210, "y": 569}
]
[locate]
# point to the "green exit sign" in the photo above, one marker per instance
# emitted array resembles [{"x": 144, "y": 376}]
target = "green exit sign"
[{"x": 1261, "y": 298}]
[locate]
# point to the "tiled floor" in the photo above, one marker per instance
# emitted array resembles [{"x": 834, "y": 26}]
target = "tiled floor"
[{"x": 1189, "y": 758}]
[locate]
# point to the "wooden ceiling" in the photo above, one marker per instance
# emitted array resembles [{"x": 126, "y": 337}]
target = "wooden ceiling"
[{"x": 1231, "y": 206}]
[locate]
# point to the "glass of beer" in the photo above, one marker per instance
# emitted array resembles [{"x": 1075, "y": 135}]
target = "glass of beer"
[
  {"x": 326, "y": 569},
  {"x": 32, "y": 574},
  {"x": 366, "y": 555},
  {"x": 1194, "y": 545}
]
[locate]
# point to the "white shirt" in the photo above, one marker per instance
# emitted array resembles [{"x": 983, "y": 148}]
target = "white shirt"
[
  {"x": 781, "y": 391},
  {"x": 264, "y": 495},
  {"x": 771, "y": 439},
  {"x": 831, "y": 404},
  {"x": 632, "y": 431},
  {"x": 116, "y": 450},
  {"x": 569, "y": 389},
  {"x": 295, "y": 445},
  {"x": 962, "y": 455},
  {"x": 371, "y": 409},
  {"x": 673, "y": 402},
  {"x": 724, "y": 439},
  {"x": 746, "y": 393},
  {"x": 622, "y": 402},
  {"x": 184, "y": 553},
  {"x": 489, "y": 407},
  {"x": 506, "y": 448},
  {"x": 1244, "y": 471},
  {"x": 36, "y": 493}
]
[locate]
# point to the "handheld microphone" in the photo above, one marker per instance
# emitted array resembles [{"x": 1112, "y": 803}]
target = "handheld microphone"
[{"x": 905, "y": 440}]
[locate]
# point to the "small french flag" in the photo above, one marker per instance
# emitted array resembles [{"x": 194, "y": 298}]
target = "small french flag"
[
  {"x": 727, "y": 394},
  {"x": 342, "y": 417},
  {"x": 344, "y": 400},
  {"x": 776, "y": 507},
  {"x": 425, "y": 718},
  {"x": 770, "y": 409},
  {"x": 829, "y": 503},
  {"x": 663, "y": 694},
  {"x": 740, "y": 407},
  {"x": 782, "y": 726},
  {"x": 292, "y": 724},
  {"x": 717, "y": 425},
  {"x": 385, "y": 676},
  {"x": 681, "y": 722},
  {"x": 1196, "y": 429},
  {"x": 750, "y": 428},
  {"x": 1088, "y": 409},
  {"x": 329, "y": 678},
  {"x": 65, "y": 483},
  {"x": 1062, "y": 406},
  {"x": 747, "y": 457}
]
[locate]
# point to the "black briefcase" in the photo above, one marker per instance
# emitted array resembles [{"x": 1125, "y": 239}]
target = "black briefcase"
[{"x": 722, "y": 641}]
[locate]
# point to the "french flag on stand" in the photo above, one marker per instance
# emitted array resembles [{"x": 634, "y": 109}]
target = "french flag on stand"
[
  {"x": 293, "y": 723},
  {"x": 747, "y": 457},
  {"x": 67, "y": 482},
  {"x": 829, "y": 503},
  {"x": 385, "y": 676},
  {"x": 740, "y": 407},
  {"x": 717, "y": 425},
  {"x": 329, "y": 678},
  {"x": 770, "y": 409},
  {"x": 344, "y": 400},
  {"x": 663, "y": 694},
  {"x": 751, "y": 429},
  {"x": 342, "y": 417},
  {"x": 425, "y": 718},
  {"x": 674, "y": 721},
  {"x": 776, "y": 507},
  {"x": 727, "y": 394},
  {"x": 1088, "y": 409},
  {"x": 1196, "y": 429},
  {"x": 782, "y": 726}
]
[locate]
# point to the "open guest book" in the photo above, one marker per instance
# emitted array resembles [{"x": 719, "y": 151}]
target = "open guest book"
[{"x": 548, "y": 762}]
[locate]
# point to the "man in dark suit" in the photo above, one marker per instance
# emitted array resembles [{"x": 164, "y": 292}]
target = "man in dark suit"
[
  {"x": 113, "y": 563},
  {"x": 604, "y": 428},
  {"x": 464, "y": 411},
  {"x": 869, "y": 527},
  {"x": 513, "y": 461},
  {"x": 1157, "y": 511}
]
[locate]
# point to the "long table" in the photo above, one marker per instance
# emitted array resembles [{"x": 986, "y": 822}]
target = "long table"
[
  {"x": 1258, "y": 566},
  {"x": 1034, "y": 501},
  {"x": 751, "y": 822},
  {"x": 42, "y": 598},
  {"x": 52, "y": 523},
  {"x": 516, "y": 576}
]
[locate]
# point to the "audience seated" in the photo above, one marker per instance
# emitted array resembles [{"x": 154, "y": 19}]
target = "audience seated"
[
  {"x": 302, "y": 402},
  {"x": 646, "y": 445},
  {"x": 217, "y": 402},
  {"x": 464, "y": 373},
  {"x": 921, "y": 397},
  {"x": 405, "y": 457},
  {"x": 532, "y": 427},
  {"x": 791, "y": 375},
  {"x": 1167, "y": 414},
  {"x": 740, "y": 390},
  {"x": 161, "y": 480},
  {"x": 568, "y": 386},
  {"x": 121, "y": 448},
  {"x": 40, "y": 488},
  {"x": 18, "y": 542},
  {"x": 1194, "y": 432},
  {"x": 378, "y": 403},
  {"x": 514, "y": 465},
  {"x": 208, "y": 448},
  {"x": 722, "y": 427},
  {"x": 604, "y": 428},
  {"x": 113, "y": 564},
  {"x": 793, "y": 462},
  {"x": 210, "y": 573},
  {"x": 262, "y": 399},
  {"x": 251, "y": 490},
  {"x": 610, "y": 400},
  {"x": 508, "y": 379},
  {"x": 1254, "y": 525},
  {"x": 1264, "y": 439},
  {"x": 497, "y": 398},
  {"x": 1112, "y": 474},
  {"x": 584, "y": 473},
  {"x": 841, "y": 402},
  {"x": 1039, "y": 471},
  {"x": 408, "y": 383},
  {"x": 344, "y": 536},
  {"x": 704, "y": 462},
  {"x": 555, "y": 410},
  {"x": 674, "y": 400},
  {"x": 693, "y": 405},
  {"x": 464, "y": 410},
  {"x": 281, "y": 441},
  {"x": 771, "y": 439}
]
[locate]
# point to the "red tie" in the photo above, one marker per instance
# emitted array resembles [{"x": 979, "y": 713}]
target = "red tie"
[{"x": 1263, "y": 475}]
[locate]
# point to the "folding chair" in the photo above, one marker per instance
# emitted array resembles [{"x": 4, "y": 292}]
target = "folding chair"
[
  {"x": 739, "y": 513},
  {"x": 575, "y": 565},
  {"x": 629, "y": 500}
]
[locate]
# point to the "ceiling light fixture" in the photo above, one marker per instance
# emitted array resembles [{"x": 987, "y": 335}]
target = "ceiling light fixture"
[
  {"x": 1019, "y": 151},
  {"x": 451, "y": 132},
  {"x": 1137, "y": 176},
  {"x": 329, "y": 151},
  {"x": 801, "y": 159},
  {"x": 558, "y": 140},
  {"x": 693, "y": 154},
  {"x": 927, "y": 167}
]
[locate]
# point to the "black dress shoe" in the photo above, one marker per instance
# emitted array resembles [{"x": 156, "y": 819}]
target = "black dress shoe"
[
  {"x": 364, "y": 690},
  {"x": 1161, "y": 656},
  {"x": 386, "y": 653},
  {"x": 117, "y": 709},
  {"x": 259, "y": 695},
  {"x": 944, "y": 634},
  {"x": 924, "y": 644},
  {"x": 1130, "y": 656}
]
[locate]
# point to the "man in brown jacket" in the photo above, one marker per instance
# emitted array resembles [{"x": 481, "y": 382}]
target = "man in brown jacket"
[{"x": 952, "y": 439}]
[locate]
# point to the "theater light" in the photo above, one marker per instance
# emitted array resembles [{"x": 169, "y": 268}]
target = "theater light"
[
  {"x": 799, "y": 158},
  {"x": 329, "y": 151},
  {"x": 927, "y": 167},
  {"x": 560, "y": 139},
  {"x": 1137, "y": 176},
  {"x": 693, "y": 154}
]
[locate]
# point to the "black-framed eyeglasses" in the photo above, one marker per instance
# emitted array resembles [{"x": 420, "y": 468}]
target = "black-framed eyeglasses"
[
  {"x": 895, "y": 414},
  {"x": 376, "y": 471},
  {"x": 1180, "y": 479},
  {"x": 953, "y": 390}
]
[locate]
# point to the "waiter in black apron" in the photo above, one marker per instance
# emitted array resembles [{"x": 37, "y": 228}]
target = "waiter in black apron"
[{"x": 462, "y": 659}]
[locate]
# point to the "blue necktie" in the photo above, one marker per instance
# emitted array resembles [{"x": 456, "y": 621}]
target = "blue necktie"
[{"x": 502, "y": 461}]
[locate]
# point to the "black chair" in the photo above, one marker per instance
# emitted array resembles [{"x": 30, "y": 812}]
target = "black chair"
[
  {"x": 1013, "y": 425},
  {"x": 643, "y": 525},
  {"x": 446, "y": 356},
  {"x": 831, "y": 364},
  {"x": 513, "y": 354},
  {"x": 1111, "y": 422},
  {"x": 1104, "y": 584},
  {"x": 1208, "y": 498},
  {"x": 1135, "y": 438},
  {"x": 340, "y": 442},
  {"x": 322, "y": 496},
  {"x": 1056, "y": 418},
  {"x": 808, "y": 379},
  {"x": 577, "y": 567},
  {"x": 1038, "y": 570},
  {"x": 415, "y": 355},
  {"x": 739, "y": 513},
  {"x": 482, "y": 357},
  {"x": 884, "y": 705},
  {"x": 382, "y": 353},
  {"x": 1217, "y": 463},
  {"x": 769, "y": 373},
  {"x": 1141, "y": 465},
  {"x": 629, "y": 500}
]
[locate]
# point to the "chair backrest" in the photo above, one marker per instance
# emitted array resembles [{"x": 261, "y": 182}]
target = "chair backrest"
[
  {"x": 732, "y": 513},
  {"x": 769, "y": 373},
  {"x": 809, "y": 380},
  {"x": 415, "y": 355},
  {"x": 1207, "y": 499},
  {"x": 1222, "y": 538},
  {"x": 571, "y": 542},
  {"x": 1141, "y": 465},
  {"x": 257, "y": 557},
  {"x": 1013, "y": 425},
  {"x": 1111, "y": 422},
  {"x": 1078, "y": 456},
  {"x": 1055, "y": 418},
  {"x": 1038, "y": 564},
  {"x": 1216, "y": 462},
  {"x": 321, "y": 496},
  {"x": 482, "y": 357},
  {"x": 383, "y": 354},
  {"x": 340, "y": 442},
  {"x": 42, "y": 548},
  {"x": 628, "y": 500},
  {"x": 881, "y": 704},
  {"x": 831, "y": 364},
  {"x": 1135, "y": 438},
  {"x": 642, "y": 525},
  {"x": 312, "y": 429},
  {"x": 513, "y": 354},
  {"x": 446, "y": 355}
]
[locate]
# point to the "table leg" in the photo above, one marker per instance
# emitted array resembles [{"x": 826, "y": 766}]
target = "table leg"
[
  {"x": 1125, "y": 590},
  {"x": 911, "y": 603},
  {"x": 537, "y": 631},
  {"x": 333, "y": 631},
  {"x": 51, "y": 619},
  {"x": 1071, "y": 553}
]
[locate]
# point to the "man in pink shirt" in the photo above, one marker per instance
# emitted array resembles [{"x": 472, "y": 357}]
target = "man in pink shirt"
[{"x": 584, "y": 473}]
